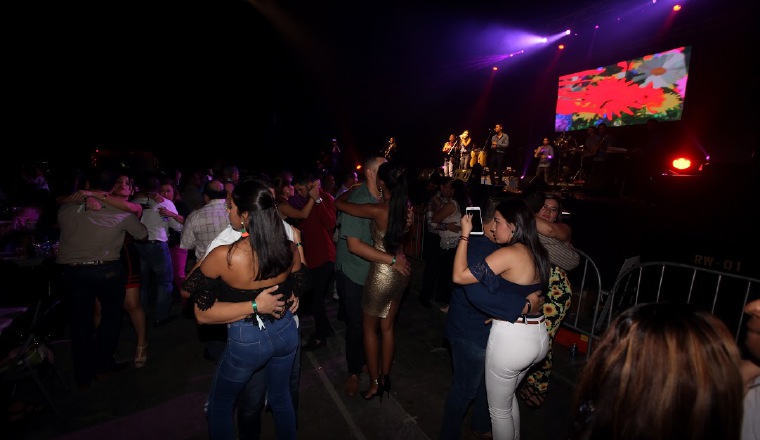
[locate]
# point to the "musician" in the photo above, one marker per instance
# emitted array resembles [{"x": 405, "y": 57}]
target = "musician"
[
  {"x": 545, "y": 154},
  {"x": 450, "y": 155},
  {"x": 465, "y": 150},
  {"x": 498, "y": 159},
  {"x": 391, "y": 149}
]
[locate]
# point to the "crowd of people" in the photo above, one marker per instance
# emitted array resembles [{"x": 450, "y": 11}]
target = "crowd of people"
[{"x": 245, "y": 252}]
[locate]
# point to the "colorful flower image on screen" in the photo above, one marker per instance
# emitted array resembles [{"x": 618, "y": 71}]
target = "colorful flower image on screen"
[{"x": 626, "y": 93}]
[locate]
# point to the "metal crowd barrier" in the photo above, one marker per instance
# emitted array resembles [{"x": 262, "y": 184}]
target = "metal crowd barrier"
[{"x": 721, "y": 293}]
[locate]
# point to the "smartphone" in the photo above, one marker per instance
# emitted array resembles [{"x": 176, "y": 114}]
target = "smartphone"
[{"x": 477, "y": 220}]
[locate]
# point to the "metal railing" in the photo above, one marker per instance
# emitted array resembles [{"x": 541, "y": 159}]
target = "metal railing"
[{"x": 721, "y": 293}]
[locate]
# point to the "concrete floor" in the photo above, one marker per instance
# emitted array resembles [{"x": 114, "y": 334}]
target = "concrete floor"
[{"x": 164, "y": 400}]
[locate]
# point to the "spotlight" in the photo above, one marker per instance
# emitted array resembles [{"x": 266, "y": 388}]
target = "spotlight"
[
  {"x": 676, "y": 8},
  {"x": 567, "y": 32},
  {"x": 681, "y": 163},
  {"x": 561, "y": 47},
  {"x": 495, "y": 68}
]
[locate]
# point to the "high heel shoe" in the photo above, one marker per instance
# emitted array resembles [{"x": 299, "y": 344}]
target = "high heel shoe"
[
  {"x": 141, "y": 356},
  {"x": 387, "y": 384},
  {"x": 369, "y": 395}
]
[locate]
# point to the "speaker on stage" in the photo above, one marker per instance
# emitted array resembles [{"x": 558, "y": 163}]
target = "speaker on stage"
[
  {"x": 425, "y": 174},
  {"x": 463, "y": 175}
]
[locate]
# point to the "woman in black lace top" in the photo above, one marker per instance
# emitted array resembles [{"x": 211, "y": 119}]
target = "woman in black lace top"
[{"x": 247, "y": 285}]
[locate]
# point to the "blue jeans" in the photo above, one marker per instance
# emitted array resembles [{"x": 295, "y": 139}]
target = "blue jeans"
[
  {"x": 248, "y": 350},
  {"x": 156, "y": 264},
  {"x": 467, "y": 386},
  {"x": 250, "y": 402}
]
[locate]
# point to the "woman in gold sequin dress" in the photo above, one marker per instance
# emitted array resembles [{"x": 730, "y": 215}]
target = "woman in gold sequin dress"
[{"x": 385, "y": 284}]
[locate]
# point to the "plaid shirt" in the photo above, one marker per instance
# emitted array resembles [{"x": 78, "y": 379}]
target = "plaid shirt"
[{"x": 203, "y": 225}]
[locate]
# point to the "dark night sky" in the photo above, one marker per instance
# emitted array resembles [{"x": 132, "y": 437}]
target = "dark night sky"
[{"x": 238, "y": 80}]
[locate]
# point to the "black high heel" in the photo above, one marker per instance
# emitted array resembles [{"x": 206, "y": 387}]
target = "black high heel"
[
  {"x": 379, "y": 392},
  {"x": 387, "y": 384}
]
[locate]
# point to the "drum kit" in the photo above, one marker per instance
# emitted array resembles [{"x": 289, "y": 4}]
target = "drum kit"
[{"x": 569, "y": 157}]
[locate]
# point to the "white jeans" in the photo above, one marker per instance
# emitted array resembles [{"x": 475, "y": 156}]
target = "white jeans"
[
  {"x": 512, "y": 349},
  {"x": 448, "y": 168}
]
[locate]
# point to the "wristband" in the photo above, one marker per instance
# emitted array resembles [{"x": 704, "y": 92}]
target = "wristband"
[
  {"x": 462, "y": 237},
  {"x": 527, "y": 301},
  {"x": 393, "y": 261},
  {"x": 255, "y": 307},
  {"x": 298, "y": 243}
]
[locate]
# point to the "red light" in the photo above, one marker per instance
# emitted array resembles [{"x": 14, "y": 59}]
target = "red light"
[
  {"x": 681, "y": 163},
  {"x": 561, "y": 46},
  {"x": 358, "y": 167}
]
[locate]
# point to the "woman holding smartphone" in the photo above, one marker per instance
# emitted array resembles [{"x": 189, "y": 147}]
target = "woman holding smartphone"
[{"x": 518, "y": 339}]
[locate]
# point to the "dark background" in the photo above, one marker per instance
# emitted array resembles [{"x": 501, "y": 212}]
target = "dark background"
[{"x": 199, "y": 81}]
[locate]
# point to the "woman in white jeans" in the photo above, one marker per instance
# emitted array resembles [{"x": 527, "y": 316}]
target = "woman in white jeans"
[{"x": 516, "y": 275}]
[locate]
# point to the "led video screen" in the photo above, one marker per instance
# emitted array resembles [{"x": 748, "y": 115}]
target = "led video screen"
[{"x": 626, "y": 93}]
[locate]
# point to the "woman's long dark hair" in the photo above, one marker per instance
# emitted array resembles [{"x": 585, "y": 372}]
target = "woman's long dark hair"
[
  {"x": 274, "y": 254},
  {"x": 394, "y": 178},
  {"x": 518, "y": 212}
]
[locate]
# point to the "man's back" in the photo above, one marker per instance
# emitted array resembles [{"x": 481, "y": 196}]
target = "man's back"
[
  {"x": 353, "y": 266},
  {"x": 203, "y": 225},
  {"x": 88, "y": 235}
]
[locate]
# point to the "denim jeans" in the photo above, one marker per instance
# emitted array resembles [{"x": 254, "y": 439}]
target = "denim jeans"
[
  {"x": 467, "y": 386},
  {"x": 249, "y": 349},
  {"x": 156, "y": 263},
  {"x": 250, "y": 402}
]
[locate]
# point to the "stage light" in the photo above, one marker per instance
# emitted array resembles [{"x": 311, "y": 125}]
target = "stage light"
[
  {"x": 544, "y": 40},
  {"x": 561, "y": 47},
  {"x": 495, "y": 68},
  {"x": 567, "y": 32},
  {"x": 676, "y": 8},
  {"x": 681, "y": 163}
]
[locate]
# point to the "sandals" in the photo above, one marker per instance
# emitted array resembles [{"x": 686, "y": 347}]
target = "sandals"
[
  {"x": 531, "y": 396},
  {"x": 141, "y": 356}
]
